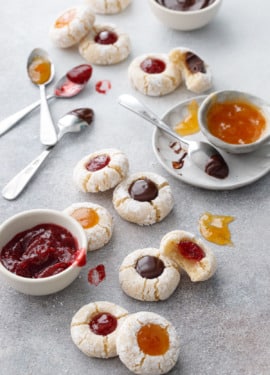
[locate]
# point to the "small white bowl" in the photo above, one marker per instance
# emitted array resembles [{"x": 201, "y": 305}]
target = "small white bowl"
[
  {"x": 27, "y": 220},
  {"x": 185, "y": 20},
  {"x": 231, "y": 95}
]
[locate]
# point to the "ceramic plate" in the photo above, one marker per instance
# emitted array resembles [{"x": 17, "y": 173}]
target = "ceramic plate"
[{"x": 244, "y": 169}]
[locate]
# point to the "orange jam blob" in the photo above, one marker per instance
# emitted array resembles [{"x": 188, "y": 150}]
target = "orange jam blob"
[
  {"x": 65, "y": 18},
  {"x": 190, "y": 124},
  {"x": 214, "y": 228},
  {"x": 153, "y": 339},
  {"x": 39, "y": 70},
  {"x": 236, "y": 122},
  {"x": 87, "y": 217}
]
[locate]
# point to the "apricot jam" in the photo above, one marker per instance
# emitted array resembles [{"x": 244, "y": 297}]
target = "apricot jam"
[
  {"x": 190, "y": 250},
  {"x": 39, "y": 70},
  {"x": 214, "y": 228},
  {"x": 65, "y": 19},
  {"x": 190, "y": 124},
  {"x": 153, "y": 339},
  {"x": 103, "y": 324},
  {"x": 87, "y": 217},
  {"x": 236, "y": 122}
]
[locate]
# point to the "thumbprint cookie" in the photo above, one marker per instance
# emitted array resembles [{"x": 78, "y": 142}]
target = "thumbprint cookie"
[{"x": 108, "y": 6}]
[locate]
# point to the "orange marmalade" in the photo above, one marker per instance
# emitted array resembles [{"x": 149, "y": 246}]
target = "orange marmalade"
[{"x": 236, "y": 122}]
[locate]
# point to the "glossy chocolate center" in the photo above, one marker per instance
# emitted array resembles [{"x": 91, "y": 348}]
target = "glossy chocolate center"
[
  {"x": 143, "y": 190},
  {"x": 149, "y": 267},
  {"x": 194, "y": 63}
]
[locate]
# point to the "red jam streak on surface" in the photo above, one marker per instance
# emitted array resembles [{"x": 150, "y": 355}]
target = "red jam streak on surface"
[
  {"x": 153, "y": 66},
  {"x": 97, "y": 163},
  {"x": 102, "y": 87},
  {"x": 103, "y": 324},
  {"x": 85, "y": 114},
  {"x": 80, "y": 74},
  {"x": 149, "y": 267},
  {"x": 106, "y": 37},
  {"x": 42, "y": 251},
  {"x": 185, "y": 5},
  {"x": 96, "y": 275},
  {"x": 217, "y": 167},
  {"x": 143, "y": 190},
  {"x": 190, "y": 250}
]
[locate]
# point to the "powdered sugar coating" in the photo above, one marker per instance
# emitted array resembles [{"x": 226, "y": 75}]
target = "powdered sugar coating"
[{"x": 108, "y": 6}]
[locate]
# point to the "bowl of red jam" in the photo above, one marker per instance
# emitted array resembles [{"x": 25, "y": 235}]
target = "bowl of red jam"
[
  {"x": 42, "y": 251},
  {"x": 185, "y": 14},
  {"x": 235, "y": 121}
]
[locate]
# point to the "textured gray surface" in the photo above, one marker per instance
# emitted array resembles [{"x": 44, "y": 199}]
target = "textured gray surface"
[{"x": 223, "y": 323}]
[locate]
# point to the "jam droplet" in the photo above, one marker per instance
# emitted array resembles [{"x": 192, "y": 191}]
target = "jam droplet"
[
  {"x": 217, "y": 167},
  {"x": 214, "y": 228},
  {"x": 153, "y": 66},
  {"x": 96, "y": 275},
  {"x": 102, "y": 87},
  {"x": 103, "y": 324},
  {"x": 153, "y": 339},
  {"x": 190, "y": 250},
  {"x": 194, "y": 63},
  {"x": 85, "y": 114},
  {"x": 87, "y": 217},
  {"x": 98, "y": 162},
  {"x": 150, "y": 267},
  {"x": 190, "y": 124},
  {"x": 106, "y": 37},
  {"x": 80, "y": 74},
  {"x": 143, "y": 190}
]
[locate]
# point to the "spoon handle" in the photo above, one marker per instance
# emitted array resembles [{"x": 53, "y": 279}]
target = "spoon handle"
[
  {"x": 15, "y": 186},
  {"x": 48, "y": 134},
  {"x": 133, "y": 104},
  {"x": 12, "y": 120}
]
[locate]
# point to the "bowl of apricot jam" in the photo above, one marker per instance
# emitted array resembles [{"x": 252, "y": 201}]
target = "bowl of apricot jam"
[
  {"x": 185, "y": 15},
  {"x": 42, "y": 251},
  {"x": 235, "y": 121}
]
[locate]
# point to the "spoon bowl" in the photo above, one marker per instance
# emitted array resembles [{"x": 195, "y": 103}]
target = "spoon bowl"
[
  {"x": 41, "y": 71},
  {"x": 202, "y": 154}
]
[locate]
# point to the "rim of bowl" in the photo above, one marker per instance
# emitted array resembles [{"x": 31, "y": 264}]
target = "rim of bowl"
[
  {"x": 172, "y": 11},
  {"x": 27, "y": 213}
]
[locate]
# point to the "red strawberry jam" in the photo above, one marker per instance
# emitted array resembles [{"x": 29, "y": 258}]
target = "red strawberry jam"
[
  {"x": 42, "y": 251},
  {"x": 80, "y": 74},
  {"x": 190, "y": 250},
  {"x": 153, "y": 66},
  {"x": 103, "y": 324},
  {"x": 96, "y": 275},
  {"x": 98, "y": 162},
  {"x": 106, "y": 37}
]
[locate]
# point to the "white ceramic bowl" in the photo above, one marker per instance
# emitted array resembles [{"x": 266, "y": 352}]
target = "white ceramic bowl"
[
  {"x": 231, "y": 95},
  {"x": 185, "y": 20},
  {"x": 26, "y": 220}
]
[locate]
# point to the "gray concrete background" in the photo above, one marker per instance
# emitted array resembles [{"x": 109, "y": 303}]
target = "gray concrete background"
[{"x": 223, "y": 323}]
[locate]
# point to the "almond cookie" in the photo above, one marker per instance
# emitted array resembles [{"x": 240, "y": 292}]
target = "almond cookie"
[
  {"x": 154, "y": 74},
  {"x": 195, "y": 71},
  {"x": 96, "y": 221},
  {"x": 101, "y": 170},
  {"x": 147, "y": 275},
  {"x": 105, "y": 45},
  {"x": 190, "y": 253},
  {"x": 108, "y": 6},
  {"x": 95, "y": 326},
  {"x": 143, "y": 198},
  {"x": 71, "y": 26},
  {"x": 147, "y": 344}
]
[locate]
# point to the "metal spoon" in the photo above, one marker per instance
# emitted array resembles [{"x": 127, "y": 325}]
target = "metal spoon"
[
  {"x": 72, "y": 122},
  {"x": 38, "y": 65},
  {"x": 64, "y": 88},
  {"x": 201, "y": 153}
]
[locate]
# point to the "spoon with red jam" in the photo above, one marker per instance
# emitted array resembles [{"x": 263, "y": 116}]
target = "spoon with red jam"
[
  {"x": 71, "y": 84},
  {"x": 73, "y": 122},
  {"x": 202, "y": 154}
]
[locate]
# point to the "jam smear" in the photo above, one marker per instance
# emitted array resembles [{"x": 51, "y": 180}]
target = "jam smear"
[
  {"x": 106, "y": 37},
  {"x": 215, "y": 228},
  {"x": 98, "y": 162},
  {"x": 87, "y": 217},
  {"x": 39, "y": 70},
  {"x": 42, "y": 251},
  {"x": 85, "y": 114},
  {"x": 103, "y": 86},
  {"x": 194, "y": 63},
  {"x": 143, "y": 190},
  {"x": 65, "y": 18},
  {"x": 103, "y": 324},
  {"x": 190, "y": 250},
  {"x": 178, "y": 164},
  {"x": 149, "y": 267},
  {"x": 80, "y": 74},
  {"x": 185, "y": 5},
  {"x": 153, "y": 66},
  {"x": 153, "y": 339},
  {"x": 66, "y": 89},
  {"x": 217, "y": 167},
  {"x": 96, "y": 275},
  {"x": 190, "y": 124}
]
